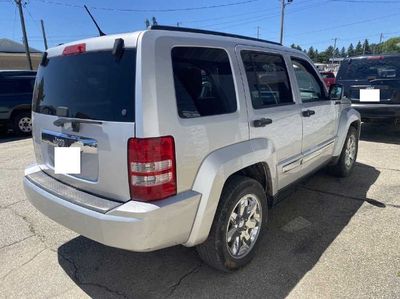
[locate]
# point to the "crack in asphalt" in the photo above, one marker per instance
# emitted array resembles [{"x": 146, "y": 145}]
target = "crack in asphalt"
[
  {"x": 80, "y": 282},
  {"x": 27, "y": 262},
  {"x": 377, "y": 167},
  {"x": 16, "y": 242},
  {"x": 371, "y": 201},
  {"x": 174, "y": 287},
  {"x": 11, "y": 204}
]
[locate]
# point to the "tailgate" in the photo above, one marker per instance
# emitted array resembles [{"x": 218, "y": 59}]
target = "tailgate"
[{"x": 93, "y": 95}]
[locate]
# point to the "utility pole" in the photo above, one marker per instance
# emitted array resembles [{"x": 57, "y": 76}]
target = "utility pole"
[
  {"x": 258, "y": 31},
  {"x": 283, "y": 6},
  {"x": 381, "y": 38},
  {"x": 21, "y": 16},
  {"x": 334, "y": 49},
  {"x": 44, "y": 35}
]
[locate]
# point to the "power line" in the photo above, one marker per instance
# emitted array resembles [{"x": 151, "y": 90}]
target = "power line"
[
  {"x": 367, "y": 1},
  {"x": 150, "y": 10},
  {"x": 348, "y": 24}
]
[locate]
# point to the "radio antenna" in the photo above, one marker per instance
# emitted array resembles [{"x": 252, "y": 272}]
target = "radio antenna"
[{"x": 101, "y": 33}]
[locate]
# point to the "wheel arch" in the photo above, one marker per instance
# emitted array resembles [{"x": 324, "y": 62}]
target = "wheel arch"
[
  {"x": 349, "y": 117},
  {"x": 253, "y": 158}
]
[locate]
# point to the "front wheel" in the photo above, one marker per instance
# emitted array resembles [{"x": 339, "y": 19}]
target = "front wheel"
[
  {"x": 237, "y": 226},
  {"x": 348, "y": 156}
]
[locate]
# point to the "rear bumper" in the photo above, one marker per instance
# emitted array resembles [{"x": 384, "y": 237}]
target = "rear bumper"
[
  {"x": 378, "y": 111},
  {"x": 133, "y": 225}
]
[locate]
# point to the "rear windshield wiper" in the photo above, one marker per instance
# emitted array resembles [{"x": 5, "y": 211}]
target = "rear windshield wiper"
[{"x": 75, "y": 123}]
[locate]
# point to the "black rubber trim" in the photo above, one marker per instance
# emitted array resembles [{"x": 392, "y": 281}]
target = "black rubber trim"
[
  {"x": 71, "y": 194},
  {"x": 192, "y": 30}
]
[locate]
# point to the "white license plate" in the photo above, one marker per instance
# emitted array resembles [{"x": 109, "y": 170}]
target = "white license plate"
[
  {"x": 370, "y": 95},
  {"x": 67, "y": 160}
]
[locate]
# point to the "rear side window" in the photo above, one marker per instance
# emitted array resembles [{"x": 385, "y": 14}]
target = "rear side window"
[
  {"x": 203, "y": 82},
  {"x": 16, "y": 85},
  {"x": 267, "y": 78},
  {"x": 311, "y": 87},
  {"x": 92, "y": 85}
]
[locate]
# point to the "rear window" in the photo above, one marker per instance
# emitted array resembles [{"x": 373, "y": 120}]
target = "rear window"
[
  {"x": 93, "y": 85},
  {"x": 374, "y": 67},
  {"x": 203, "y": 82}
]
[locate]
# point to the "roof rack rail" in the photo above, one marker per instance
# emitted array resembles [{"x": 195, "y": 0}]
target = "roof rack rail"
[{"x": 192, "y": 30}]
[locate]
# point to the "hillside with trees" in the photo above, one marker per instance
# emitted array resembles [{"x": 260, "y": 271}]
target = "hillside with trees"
[{"x": 392, "y": 45}]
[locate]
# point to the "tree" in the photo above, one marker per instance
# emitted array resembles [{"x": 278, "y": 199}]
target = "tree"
[
  {"x": 350, "y": 51},
  {"x": 311, "y": 53},
  {"x": 366, "y": 47},
  {"x": 337, "y": 53},
  {"x": 392, "y": 45},
  {"x": 359, "y": 49},
  {"x": 343, "y": 52}
]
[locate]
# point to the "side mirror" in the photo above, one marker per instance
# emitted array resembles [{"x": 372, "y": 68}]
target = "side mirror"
[{"x": 336, "y": 92}]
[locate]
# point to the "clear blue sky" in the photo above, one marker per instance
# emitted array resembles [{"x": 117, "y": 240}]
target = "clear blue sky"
[{"x": 308, "y": 22}]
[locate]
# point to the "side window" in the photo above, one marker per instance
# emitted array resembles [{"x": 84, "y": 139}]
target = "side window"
[
  {"x": 311, "y": 88},
  {"x": 268, "y": 79},
  {"x": 203, "y": 82}
]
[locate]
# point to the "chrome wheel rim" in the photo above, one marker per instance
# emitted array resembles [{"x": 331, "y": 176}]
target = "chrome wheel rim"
[
  {"x": 25, "y": 124},
  {"x": 244, "y": 226},
  {"x": 350, "y": 152}
]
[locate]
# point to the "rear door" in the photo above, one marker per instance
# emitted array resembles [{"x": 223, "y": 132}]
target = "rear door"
[
  {"x": 273, "y": 112},
  {"x": 87, "y": 100},
  {"x": 319, "y": 115}
]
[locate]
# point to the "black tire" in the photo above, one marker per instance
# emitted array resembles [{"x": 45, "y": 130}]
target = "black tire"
[
  {"x": 341, "y": 168},
  {"x": 214, "y": 251},
  {"x": 22, "y": 123}
]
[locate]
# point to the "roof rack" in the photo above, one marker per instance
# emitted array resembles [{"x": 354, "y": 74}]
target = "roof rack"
[{"x": 192, "y": 30}]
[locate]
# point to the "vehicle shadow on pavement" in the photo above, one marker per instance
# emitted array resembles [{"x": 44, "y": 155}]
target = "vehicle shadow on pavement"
[
  {"x": 301, "y": 228},
  {"x": 7, "y": 137},
  {"x": 380, "y": 132}
]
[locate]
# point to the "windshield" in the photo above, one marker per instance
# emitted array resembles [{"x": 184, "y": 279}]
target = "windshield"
[
  {"x": 93, "y": 85},
  {"x": 370, "y": 68}
]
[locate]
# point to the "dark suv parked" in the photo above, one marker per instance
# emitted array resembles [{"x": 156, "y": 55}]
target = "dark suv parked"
[
  {"x": 16, "y": 89},
  {"x": 373, "y": 85}
]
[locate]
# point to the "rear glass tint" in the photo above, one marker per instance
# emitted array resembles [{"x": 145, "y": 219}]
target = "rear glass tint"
[
  {"x": 93, "y": 85},
  {"x": 375, "y": 67},
  {"x": 203, "y": 82}
]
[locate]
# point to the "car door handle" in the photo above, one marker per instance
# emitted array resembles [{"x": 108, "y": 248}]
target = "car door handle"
[
  {"x": 262, "y": 122},
  {"x": 308, "y": 113},
  {"x": 338, "y": 102}
]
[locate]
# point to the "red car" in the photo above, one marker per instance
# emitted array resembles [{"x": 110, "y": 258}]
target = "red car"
[{"x": 329, "y": 78}]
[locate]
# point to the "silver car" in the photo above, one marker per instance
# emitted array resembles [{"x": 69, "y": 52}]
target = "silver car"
[{"x": 180, "y": 136}]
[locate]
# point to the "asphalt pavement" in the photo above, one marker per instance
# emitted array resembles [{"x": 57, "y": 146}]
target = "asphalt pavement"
[{"x": 330, "y": 238}]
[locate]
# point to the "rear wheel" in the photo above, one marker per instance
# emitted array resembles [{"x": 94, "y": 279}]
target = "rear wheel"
[
  {"x": 237, "y": 226},
  {"x": 22, "y": 123},
  {"x": 348, "y": 156}
]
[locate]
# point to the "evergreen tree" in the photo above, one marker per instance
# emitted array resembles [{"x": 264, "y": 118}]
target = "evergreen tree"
[
  {"x": 343, "y": 52},
  {"x": 359, "y": 49},
  {"x": 337, "y": 53},
  {"x": 350, "y": 51},
  {"x": 311, "y": 53},
  {"x": 366, "y": 47}
]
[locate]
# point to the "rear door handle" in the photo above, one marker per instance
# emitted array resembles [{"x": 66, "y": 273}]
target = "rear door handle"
[
  {"x": 262, "y": 122},
  {"x": 308, "y": 113}
]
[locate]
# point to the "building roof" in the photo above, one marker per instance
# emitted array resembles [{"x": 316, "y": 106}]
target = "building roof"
[{"x": 10, "y": 46}]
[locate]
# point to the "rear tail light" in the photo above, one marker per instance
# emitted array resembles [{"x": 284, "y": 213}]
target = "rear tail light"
[
  {"x": 152, "y": 170},
  {"x": 74, "y": 49}
]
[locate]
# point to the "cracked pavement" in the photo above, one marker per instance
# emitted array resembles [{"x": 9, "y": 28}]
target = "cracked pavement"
[{"x": 329, "y": 238}]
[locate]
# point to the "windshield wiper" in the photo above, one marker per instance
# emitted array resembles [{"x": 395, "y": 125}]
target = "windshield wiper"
[{"x": 75, "y": 123}]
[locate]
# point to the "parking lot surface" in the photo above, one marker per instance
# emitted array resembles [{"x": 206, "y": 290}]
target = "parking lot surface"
[{"x": 329, "y": 238}]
